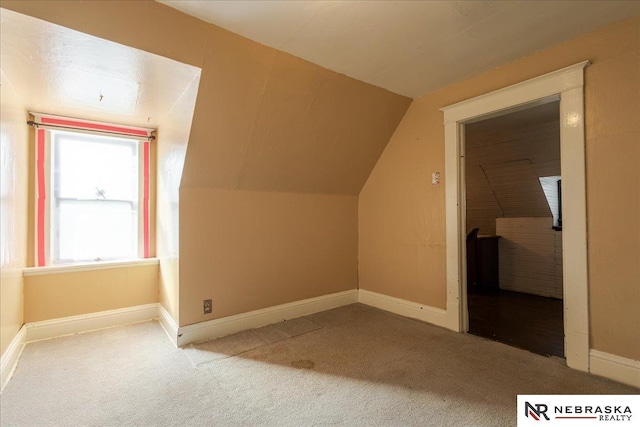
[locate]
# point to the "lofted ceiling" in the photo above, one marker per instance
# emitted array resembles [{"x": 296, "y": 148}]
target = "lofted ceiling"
[
  {"x": 504, "y": 158},
  {"x": 410, "y": 47},
  {"x": 62, "y": 71}
]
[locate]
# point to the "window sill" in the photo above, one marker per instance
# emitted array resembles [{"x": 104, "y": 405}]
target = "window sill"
[{"x": 90, "y": 266}]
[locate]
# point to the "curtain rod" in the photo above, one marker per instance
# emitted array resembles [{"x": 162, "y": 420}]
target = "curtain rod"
[{"x": 36, "y": 124}]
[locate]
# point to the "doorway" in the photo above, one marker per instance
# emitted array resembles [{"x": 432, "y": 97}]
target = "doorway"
[
  {"x": 514, "y": 229},
  {"x": 567, "y": 86}
]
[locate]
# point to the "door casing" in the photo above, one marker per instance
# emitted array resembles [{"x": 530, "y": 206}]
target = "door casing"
[{"x": 567, "y": 86}]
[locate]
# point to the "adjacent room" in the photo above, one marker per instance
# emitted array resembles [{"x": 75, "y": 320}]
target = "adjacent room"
[
  {"x": 514, "y": 229},
  {"x": 318, "y": 212}
]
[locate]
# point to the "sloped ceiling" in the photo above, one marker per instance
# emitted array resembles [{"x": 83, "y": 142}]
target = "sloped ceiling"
[
  {"x": 504, "y": 156},
  {"x": 517, "y": 189},
  {"x": 264, "y": 120},
  {"x": 410, "y": 47},
  {"x": 60, "y": 71},
  {"x": 268, "y": 121}
]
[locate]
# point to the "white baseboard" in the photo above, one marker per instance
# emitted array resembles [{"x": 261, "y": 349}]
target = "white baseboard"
[
  {"x": 453, "y": 321},
  {"x": 10, "y": 357},
  {"x": 436, "y": 316},
  {"x": 53, "y": 328},
  {"x": 610, "y": 366},
  {"x": 617, "y": 368},
  {"x": 258, "y": 318},
  {"x": 168, "y": 324},
  {"x": 574, "y": 345}
]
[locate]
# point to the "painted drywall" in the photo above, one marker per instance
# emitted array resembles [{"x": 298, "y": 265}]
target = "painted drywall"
[
  {"x": 249, "y": 250},
  {"x": 401, "y": 215},
  {"x": 268, "y": 121},
  {"x": 107, "y": 82},
  {"x": 13, "y": 211},
  {"x": 401, "y": 223},
  {"x": 88, "y": 77},
  {"x": 173, "y": 137},
  {"x": 504, "y": 156},
  {"x": 277, "y": 130},
  {"x": 143, "y": 24},
  {"x": 146, "y": 89},
  {"x": 63, "y": 294},
  {"x": 280, "y": 132},
  {"x": 264, "y": 120}
]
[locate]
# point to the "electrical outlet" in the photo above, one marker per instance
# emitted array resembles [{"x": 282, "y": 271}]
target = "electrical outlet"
[{"x": 207, "y": 306}]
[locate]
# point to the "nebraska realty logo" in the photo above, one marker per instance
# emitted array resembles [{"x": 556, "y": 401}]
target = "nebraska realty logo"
[{"x": 583, "y": 410}]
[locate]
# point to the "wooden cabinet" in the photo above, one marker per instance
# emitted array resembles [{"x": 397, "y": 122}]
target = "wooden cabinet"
[{"x": 482, "y": 263}]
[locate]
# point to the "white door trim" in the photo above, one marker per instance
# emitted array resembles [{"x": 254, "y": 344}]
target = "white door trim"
[{"x": 567, "y": 84}]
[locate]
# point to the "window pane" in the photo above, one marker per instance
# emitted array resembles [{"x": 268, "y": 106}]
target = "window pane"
[
  {"x": 550, "y": 188},
  {"x": 94, "y": 167},
  {"x": 95, "y": 197},
  {"x": 93, "y": 230}
]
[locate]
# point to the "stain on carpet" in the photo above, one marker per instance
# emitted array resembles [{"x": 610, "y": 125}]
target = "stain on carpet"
[{"x": 303, "y": 364}]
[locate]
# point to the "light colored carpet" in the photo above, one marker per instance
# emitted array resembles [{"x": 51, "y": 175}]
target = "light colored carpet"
[
  {"x": 241, "y": 342},
  {"x": 358, "y": 367}
]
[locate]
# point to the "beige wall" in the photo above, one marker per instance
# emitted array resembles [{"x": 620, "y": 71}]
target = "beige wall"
[
  {"x": 401, "y": 220},
  {"x": 56, "y": 295},
  {"x": 13, "y": 211},
  {"x": 402, "y": 234},
  {"x": 287, "y": 140},
  {"x": 173, "y": 137},
  {"x": 249, "y": 250},
  {"x": 293, "y": 135},
  {"x": 161, "y": 92},
  {"x": 401, "y": 216},
  {"x": 268, "y": 121}
]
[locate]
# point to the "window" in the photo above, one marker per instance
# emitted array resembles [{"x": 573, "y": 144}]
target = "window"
[
  {"x": 552, "y": 187},
  {"x": 92, "y": 191}
]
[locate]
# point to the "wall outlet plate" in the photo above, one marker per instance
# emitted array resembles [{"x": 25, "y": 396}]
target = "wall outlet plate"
[{"x": 207, "y": 306}]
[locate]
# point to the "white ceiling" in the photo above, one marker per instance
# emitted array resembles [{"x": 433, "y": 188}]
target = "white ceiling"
[
  {"x": 61, "y": 71},
  {"x": 410, "y": 47}
]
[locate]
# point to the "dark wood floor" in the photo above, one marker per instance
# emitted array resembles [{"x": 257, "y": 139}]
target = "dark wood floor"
[{"x": 526, "y": 321}]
